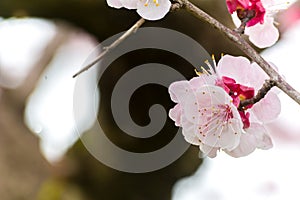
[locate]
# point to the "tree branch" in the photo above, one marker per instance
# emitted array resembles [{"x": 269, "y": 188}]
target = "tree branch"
[
  {"x": 244, "y": 46},
  {"x": 267, "y": 86},
  {"x": 129, "y": 32}
]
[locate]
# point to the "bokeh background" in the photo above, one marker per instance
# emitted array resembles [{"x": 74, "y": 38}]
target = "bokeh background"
[{"x": 43, "y": 43}]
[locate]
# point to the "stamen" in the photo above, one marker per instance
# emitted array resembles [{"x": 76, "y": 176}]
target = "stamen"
[
  {"x": 197, "y": 72},
  {"x": 214, "y": 60},
  {"x": 211, "y": 69},
  {"x": 156, "y": 2},
  {"x": 205, "y": 71}
]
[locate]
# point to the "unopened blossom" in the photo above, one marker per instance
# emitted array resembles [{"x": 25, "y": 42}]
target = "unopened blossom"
[
  {"x": 208, "y": 108},
  {"x": 259, "y": 18},
  {"x": 148, "y": 9}
]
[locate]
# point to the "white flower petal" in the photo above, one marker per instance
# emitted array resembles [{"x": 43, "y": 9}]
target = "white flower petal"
[
  {"x": 204, "y": 79},
  {"x": 189, "y": 131},
  {"x": 277, "y": 5},
  {"x": 175, "y": 114},
  {"x": 222, "y": 134},
  {"x": 129, "y": 4},
  {"x": 179, "y": 90},
  {"x": 237, "y": 68},
  {"x": 263, "y": 35},
  {"x": 114, "y": 3},
  {"x": 230, "y": 138},
  {"x": 208, "y": 151},
  {"x": 256, "y": 136},
  {"x": 247, "y": 145},
  {"x": 263, "y": 140},
  {"x": 268, "y": 108},
  {"x": 268, "y": 3},
  {"x": 209, "y": 95},
  {"x": 208, "y": 114},
  {"x": 258, "y": 77},
  {"x": 212, "y": 133},
  {"x": 152, "y": 11},
  {"x": 199, "y": 104}
]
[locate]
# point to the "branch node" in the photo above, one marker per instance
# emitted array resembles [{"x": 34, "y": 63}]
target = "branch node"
[
  {"x": 262, "y": 92},
  {"x": 241, "y": 28},
  {"x": 244, "y": 46},
  {"x": 176, "y": 6}
]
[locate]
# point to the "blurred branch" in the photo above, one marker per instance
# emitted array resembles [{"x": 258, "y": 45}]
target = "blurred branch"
[
  {"x": 244, "y": 46},
  {"x": 129, "y": 32}
]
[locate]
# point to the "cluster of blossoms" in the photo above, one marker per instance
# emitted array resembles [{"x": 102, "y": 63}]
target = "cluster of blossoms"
[
  {"x": 257, "y": 14},
  {"x": 208, "y": 108},
  {"x": 148, "y": 9},
  {"x": 259, "y": 18}
]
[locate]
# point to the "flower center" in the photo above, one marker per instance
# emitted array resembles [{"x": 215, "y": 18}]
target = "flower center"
[
  {"x": 250, "y": 12},
  {"x": 238, "y": 93},
  {"x": 229, "y": 114},
  {"x": 245, "y": 14}
]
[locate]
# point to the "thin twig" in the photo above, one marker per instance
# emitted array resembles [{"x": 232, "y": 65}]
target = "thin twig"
[
  {"x": 245, "y": 16},
  {"x": 245, "y": 47},
  {"x": 129, "y": 32},
  {"x": 175, "y": 6},
  {"x": 241, "y": 28},
  {"x": 262, "y": 92}
]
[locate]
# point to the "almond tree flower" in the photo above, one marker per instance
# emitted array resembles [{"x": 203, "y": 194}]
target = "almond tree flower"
[
  {"x": 256, "y": 136},
  {"x": 250, "y": 10},
  {"x": 148, "y": 9},
  {"x": 250, "y": 75},
  {"x": 259, "y": 18},
  {"x": 207, "y": 115},
  {"x": 208, "y": 108},
  {"x": 249, "y": 78}
]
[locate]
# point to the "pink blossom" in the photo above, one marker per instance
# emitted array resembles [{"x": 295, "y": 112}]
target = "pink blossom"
[
  {"x": 148, "y": 9},
  {"x": 259, "y": 15},
  {"x": 207, "y": 115},
  {"x": 252, "y": 9},
  {"x": 251, "y": 75},
  {"x": 207, "y": 108}
]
